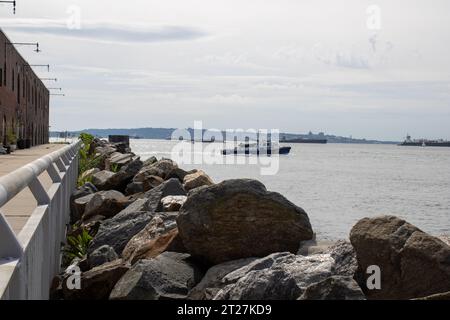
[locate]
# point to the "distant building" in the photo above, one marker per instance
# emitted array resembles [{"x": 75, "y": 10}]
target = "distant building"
[{"x": 24, "y": 99}]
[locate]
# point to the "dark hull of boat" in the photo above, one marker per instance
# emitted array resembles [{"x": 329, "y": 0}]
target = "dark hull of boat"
[
  {"x": 281, "y": 150},
  {"x": 426, "y": 144}
]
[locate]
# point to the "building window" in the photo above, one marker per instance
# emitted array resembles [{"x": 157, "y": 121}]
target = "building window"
[
  {"x": 1, "y": 77},
  {"x": 13, "y": 80}
]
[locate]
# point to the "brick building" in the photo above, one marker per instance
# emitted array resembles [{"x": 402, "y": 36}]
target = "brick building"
[{"x": 24, "y": 99}]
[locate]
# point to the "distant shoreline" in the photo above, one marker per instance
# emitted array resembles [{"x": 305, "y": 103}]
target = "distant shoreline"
[{"x": 164, "y": 133}]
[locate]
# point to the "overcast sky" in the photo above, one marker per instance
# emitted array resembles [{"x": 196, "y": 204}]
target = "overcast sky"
[{"x": 342, "y": 67}]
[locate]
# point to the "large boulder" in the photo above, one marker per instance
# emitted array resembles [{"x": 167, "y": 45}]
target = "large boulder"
[
  {"x": 77, "y": 209},
  {"x": 153, "y": 240},
  {"x": 279, "y": 276},
  {"x": 213, "y": 280},
  {"x": 334, "y": 288},
  {"x": 168, "y": 276},
  {"x": 238, "y": 219},
  {"x": 413, "y": 263},
  {"x": 196, "y": 179},
  {"x": 97, "y": 283},
  {"x": 105, "y": 203},
  {"x": 117, "y": 231}
]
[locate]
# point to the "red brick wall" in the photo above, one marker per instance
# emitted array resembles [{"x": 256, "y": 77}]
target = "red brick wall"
[{"x": 24, "y": 99}]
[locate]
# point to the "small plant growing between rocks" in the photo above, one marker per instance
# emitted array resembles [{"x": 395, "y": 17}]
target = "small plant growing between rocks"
[
  {"x": 114, "y": 167},
  {"x": 87, "y": 160},
  {"x": 76, "y": 246},
  {"x": 82, "y": 181}
]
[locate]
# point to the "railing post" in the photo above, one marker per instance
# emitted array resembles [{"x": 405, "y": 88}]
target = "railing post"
[
  {"x": 10, "y": 247},
  {"x": 39, "y": 192}
]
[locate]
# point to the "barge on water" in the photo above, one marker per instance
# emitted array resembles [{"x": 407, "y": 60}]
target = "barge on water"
[
  {"x": 424, "y": 142},
  {"x": 257, "y": 149}
]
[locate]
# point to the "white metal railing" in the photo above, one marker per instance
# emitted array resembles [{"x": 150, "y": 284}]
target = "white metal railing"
[{"x": 29, "y": 261}]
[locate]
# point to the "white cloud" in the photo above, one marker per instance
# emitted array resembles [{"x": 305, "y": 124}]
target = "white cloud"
[{"x": 107, "y": 32}]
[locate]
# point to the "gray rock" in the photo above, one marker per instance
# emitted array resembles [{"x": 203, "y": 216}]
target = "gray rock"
[
  {"x": 134, "y": 187},
  {"x": 165, "y": 166},
  {"x": 105, "y": 203},
  {"x": 213, "y": 280},
  {"x": 170, "y": 187},
  {"x": 100, "y": 179},
  {"x": 123, "y": 177},
  {"x": 77, "y": 211},
  {"x": 118, "y": 159},
  {"x": 173, "y": 203},
  {"x": 117, "y": 231},
  {"x": 279, "y": 276},
  {"x": 238, "y": 219},
  {"x": 344, "y": 256},
  {"x": 105, "y": 150},
  {"x": 160, "y": 168},
  {"x": 142, "y": 183},
  {"x": 168, "y": 276},
  {"x": 97, "y": 283},
  {"x": 137, "y": 205},
  {"x": 150, "y": 161},
  {"x": 79, "y": 206},
  {"x": 334, "y": 288},
  {"x": 154, "y": 239},
  {"x": 196, "y": 179},
  {"x": 445, "y": 239},
  {"x": 121, "y": 147},
  {"x": 102, "y": 255},
  {"x": 179, "y": 174},
  {"x": 413, "y": 263}
]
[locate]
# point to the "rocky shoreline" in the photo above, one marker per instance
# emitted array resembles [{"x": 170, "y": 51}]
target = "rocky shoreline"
[{"x": 151, "y": 230}]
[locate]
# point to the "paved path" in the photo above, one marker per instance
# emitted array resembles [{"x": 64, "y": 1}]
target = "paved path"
[{"x": 20, "y": 208}]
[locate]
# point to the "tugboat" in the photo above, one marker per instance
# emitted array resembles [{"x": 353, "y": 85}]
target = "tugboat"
[
  {"x": 424, "y": 143},
  {"x": 255, "y": 148}
]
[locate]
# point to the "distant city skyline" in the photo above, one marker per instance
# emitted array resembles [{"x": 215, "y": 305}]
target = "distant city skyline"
[{"x": 374, "y": 70}]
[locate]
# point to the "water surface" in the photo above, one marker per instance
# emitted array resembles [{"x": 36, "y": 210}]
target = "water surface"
[{"x": 338, "y": 184}]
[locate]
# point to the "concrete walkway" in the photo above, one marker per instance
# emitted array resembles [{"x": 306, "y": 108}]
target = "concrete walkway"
[{"x": 20, "y": 208}]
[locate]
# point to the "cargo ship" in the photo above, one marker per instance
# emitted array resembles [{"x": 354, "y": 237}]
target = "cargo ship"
[{"x": 424, "y": 142}]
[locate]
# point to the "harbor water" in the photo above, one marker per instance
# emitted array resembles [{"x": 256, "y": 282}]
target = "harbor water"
[{"x": 338, "y": 184}]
